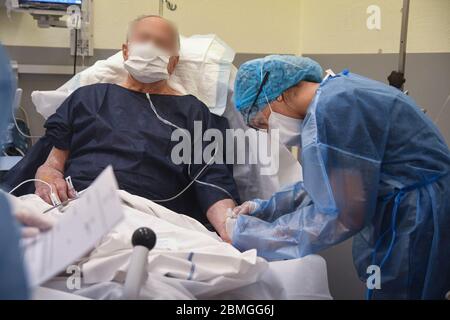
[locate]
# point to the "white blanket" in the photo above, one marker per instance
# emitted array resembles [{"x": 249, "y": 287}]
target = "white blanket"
[{"x": 189, "y": 259}]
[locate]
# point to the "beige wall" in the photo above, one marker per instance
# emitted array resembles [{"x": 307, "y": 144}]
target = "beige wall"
[
  {"x": 262, "y": 26},
  {"x": 249, "y": 26},
  {"x": 339, "y": 26},
  {"x": 252, "y": 26}
]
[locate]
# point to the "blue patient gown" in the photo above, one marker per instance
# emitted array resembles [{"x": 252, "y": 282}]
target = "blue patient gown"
[
  {"x": 376, "y": 167},
  {"x": 106, "y": 124}
]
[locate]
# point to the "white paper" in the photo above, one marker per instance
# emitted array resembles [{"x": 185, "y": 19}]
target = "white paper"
[{"x": 77, "y": 231}]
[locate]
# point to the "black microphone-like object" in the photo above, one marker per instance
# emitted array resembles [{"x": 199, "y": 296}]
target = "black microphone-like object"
[{"x": 143, "y": 240}]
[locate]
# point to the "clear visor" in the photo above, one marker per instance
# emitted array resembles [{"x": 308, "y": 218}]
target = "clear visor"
[{"x": 258, "y": 118}]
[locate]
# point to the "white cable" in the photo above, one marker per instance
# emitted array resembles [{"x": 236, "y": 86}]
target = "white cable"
[
  {"x": 20, "y": 152},
  {"x": 436, "y": 119},
  {"x": 31, "y": 180},
  {"x": 20, "y": 131},
  {"x": 53, "y": 197},
  {"x": 217, "y": 187},
  {"x": 25, "y": 113},
  {"x": 167, "y": 122},
  {"x": 188, "y": 186}
]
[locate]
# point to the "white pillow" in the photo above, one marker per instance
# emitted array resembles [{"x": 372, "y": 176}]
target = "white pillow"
[{"x": 203, "y": 71}]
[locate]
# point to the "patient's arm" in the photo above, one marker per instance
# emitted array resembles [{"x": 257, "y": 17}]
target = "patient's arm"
[
  {"x": 217, "y": 216},
  {"x": 52, "y": 172}
]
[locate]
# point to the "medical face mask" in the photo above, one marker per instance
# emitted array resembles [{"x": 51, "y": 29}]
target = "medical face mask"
[
  {"x": 290, "y": 129},
  {"x": 147, "y": 63}
]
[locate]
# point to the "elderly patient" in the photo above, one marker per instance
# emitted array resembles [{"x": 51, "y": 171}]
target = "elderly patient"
[{"x": 105, "y": 124}]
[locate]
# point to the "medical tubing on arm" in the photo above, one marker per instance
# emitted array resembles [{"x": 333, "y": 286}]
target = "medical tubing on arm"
[
  {"x": 187, "y": 187},
  {"x": 195, "y": 179}
]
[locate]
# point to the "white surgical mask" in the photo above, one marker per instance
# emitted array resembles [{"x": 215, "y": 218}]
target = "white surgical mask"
[
  {"x": 147, "y": 63},
  {"x": 290, "y": 129}
]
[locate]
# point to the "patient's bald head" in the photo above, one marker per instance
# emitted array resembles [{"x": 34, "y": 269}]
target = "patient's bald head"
[{"x": 160, "y": 31}]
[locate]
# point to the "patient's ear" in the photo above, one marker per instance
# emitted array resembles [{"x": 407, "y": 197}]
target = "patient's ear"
[
  {"x": 173, "y": 61},
  {"x": 125, "y": 52}
]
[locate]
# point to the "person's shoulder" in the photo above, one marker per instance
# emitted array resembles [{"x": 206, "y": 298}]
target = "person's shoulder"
[
  {"x": 200, "y": 104},
  {"x": 96, "y": 87},
  {"x": 193, "y": 103}
]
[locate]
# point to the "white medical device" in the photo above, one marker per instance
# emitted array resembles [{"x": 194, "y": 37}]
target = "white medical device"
[
  {"x": 50, "y": 13},
  {"x": 143, "y": 240}
]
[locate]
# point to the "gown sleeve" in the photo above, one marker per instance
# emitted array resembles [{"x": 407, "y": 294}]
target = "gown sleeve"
[
  {"x": 341, "y": 168},
  {"x": 215, "y": 181},
  {"x": 59, "y": 125}
]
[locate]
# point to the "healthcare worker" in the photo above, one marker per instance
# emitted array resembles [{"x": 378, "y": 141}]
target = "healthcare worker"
[
  {"x": 23, "y": 221},
  {"x": 12, "y": 275},
  {"x": 374, "y": 167}
]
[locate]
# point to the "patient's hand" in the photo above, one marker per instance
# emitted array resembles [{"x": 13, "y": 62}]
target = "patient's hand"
[
  {"x": 217, "y": 216},
  {"x": 52, "y": 172},
  {"x": 56, "y": 179}
]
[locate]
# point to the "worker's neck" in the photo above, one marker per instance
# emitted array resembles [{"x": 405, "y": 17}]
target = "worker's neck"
[
  {"x": 159, "y": 87},
  {"x": 306, "y": 94}
]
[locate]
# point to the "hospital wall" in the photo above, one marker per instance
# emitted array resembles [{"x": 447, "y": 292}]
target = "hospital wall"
[{"x": 252, "y": 26}]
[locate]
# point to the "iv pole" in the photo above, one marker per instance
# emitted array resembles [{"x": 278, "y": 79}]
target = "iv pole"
[
  {"x": 403, "y": 36},
  {"x": 397, "y": 78}
]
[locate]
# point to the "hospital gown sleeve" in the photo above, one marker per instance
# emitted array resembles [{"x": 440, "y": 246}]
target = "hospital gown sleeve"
[
  {"x": 216, "y": 182},
  {"x": 59, "y": 125},
  {"x": 341, "y": 165}
]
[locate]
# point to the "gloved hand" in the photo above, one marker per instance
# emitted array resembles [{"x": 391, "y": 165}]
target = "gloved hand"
[
  {"x": 246, "y": 208},
  {"x": 229, "y": 227},
  {"x": 33, "y": 223},
  {"x": 31, "y": 218}
]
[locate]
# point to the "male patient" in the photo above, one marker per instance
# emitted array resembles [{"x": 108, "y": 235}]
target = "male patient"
[{"x": 105, "y": 124}]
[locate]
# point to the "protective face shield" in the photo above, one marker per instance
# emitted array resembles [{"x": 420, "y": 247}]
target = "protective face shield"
[
  {"x": 289, "y": 128},
  {"x": 253, "y": 116},
  {"x": 147, "y": 63}
]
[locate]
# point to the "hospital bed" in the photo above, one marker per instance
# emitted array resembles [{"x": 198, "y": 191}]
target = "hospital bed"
[
  {"x": 300, "y": 279},
  {"x": 206, "y": 71}
]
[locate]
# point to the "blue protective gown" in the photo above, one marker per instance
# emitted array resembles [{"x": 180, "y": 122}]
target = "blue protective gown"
[
  {"x": 376, "y": 167},
  {"x": 13, "y": 282}
]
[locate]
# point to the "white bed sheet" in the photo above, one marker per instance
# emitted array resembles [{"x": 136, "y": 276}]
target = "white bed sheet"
[
  {"x": 221, "y": 271},
  {"x": 299, "y": 279}
]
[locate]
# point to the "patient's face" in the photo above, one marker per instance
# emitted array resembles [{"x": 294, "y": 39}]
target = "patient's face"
[{"x": 159, "y": 32}]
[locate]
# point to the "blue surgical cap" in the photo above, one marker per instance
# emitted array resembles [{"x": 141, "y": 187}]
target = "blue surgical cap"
[{"x": 285, "y": 71}]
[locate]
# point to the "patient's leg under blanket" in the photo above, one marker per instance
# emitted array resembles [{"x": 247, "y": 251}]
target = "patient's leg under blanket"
[{"x": 186, "y": 256}]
